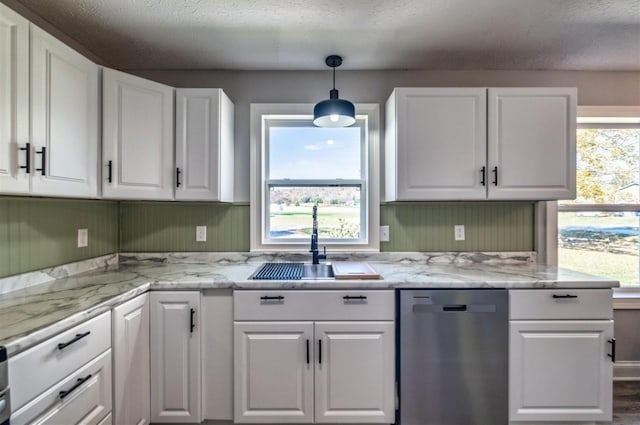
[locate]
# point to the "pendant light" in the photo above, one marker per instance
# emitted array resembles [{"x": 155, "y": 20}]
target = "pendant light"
[{"x": 334, "y": 112}]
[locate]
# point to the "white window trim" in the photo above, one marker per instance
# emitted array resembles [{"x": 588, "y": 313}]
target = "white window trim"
[
  {"x": 547, "y": 212},
  {"x": 257, "y": 110}
]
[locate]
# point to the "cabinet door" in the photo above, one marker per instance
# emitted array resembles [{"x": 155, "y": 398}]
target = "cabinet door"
[
  {"x": 273, "y": 372},
  {"x": 131, "y": 361},
  {"x": 560, "y": 370},
  {"x": 204, "y": 145},
  {"x": 355, "y": 379},
  {"x": 137, "y": 138},
  {"x": 175, "y": 357},
  {"x": 14, "y": 102},
  {"x": 438, "y": 149},
  {"x": 532, "y": 142},
  {"x": 64, "y": 119}
]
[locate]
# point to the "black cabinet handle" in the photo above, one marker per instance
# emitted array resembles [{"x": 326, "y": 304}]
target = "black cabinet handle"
[
  {"x": 192, "y": 323},
  {"x": 79, "y": 382},
  {"x": 272, "y": 298},
  {"x": 483, "y": 176},
  {"x": 109, "y": 171},
  {"x": 307, "y": 351},
  {"x": 319, "y": 351},
  {"x": 77, "y": 338},
  {"x": 564, "y": 296},
  {"x": 495, "y": 176},
  {"x": 27, "y": 158},
  {"x": 454, "y": 307},
  {"x": 43, "y": 152},
  {"x": 178, "y": 172},
  {"x": 354, "y": 297},
  {"x": 612, "y": 341}
]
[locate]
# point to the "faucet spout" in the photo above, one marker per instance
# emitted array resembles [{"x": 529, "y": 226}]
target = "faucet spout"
[{"x": 316, "y": 256}]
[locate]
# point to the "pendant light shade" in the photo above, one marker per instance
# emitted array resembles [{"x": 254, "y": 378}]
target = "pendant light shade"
[{"x": 334, "y": 112}]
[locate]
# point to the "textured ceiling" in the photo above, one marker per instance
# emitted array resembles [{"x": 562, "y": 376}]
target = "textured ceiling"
[{"x": 370, "y": 34}]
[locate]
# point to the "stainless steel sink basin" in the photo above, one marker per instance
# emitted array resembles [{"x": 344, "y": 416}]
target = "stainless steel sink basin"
[
  {"x": 294, "y": 271},
  {"x": 318, "y": 271}
]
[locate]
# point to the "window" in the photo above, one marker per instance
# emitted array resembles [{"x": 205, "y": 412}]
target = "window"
[
  {"x": 598, "y": 231},
  {"x": 296, "y": 166}
]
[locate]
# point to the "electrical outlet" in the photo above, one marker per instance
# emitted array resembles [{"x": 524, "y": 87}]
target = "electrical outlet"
[
  {"x": 201, "y": 233},
  {"x": 384, "y": 233},
  {"x": 458, "y": 231},
  {"x": 83, "y": 238}
]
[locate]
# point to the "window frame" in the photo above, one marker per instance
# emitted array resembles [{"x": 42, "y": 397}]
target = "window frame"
[
  {"x": 547, "y": 222},
  {"x": 370, "y": 200}
]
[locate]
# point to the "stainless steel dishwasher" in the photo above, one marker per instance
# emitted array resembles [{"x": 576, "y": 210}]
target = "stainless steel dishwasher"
[{"x": 453, "y": 357}]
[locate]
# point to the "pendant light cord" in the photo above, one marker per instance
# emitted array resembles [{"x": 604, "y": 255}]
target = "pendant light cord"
[{"x": 334, "y": 77}]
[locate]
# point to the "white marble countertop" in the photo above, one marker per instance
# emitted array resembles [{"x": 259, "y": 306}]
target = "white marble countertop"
[{"x": 34, "y": 313}]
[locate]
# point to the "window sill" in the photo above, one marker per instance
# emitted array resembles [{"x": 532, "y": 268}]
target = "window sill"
[{"x": 626, "y": 298}]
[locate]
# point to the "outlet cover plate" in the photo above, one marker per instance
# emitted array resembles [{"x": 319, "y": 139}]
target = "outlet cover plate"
[
  {"x": 384, "y": 233},
  {"x": 83, "y": 238},
  {"x": 458, "y": 231},
  {"x": 201, "y": 233}
]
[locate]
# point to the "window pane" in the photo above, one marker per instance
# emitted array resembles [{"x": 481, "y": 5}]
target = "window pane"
[
  {"x": 608, "y": 166},
  {"x": 314, "y": 153},
  {"x": 600, "y": 243},
  {"x": 290, "y": 211}
]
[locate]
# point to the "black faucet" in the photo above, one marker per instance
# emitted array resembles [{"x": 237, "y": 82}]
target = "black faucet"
[{"x": 314, "y": 240}]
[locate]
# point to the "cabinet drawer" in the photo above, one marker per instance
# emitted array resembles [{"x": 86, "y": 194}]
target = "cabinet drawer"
[
  {"x": 87, "y": 400},
  {"x": 540, "y": 304},
  {"x": 313, "y": 305},
  {"x": 33, "y": 371}
]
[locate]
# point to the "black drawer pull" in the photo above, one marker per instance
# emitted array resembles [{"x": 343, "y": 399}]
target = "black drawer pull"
[
  {"x": 77, "y": 338},
  {"x": 79, "y": 382},
  {"x": 178, "y": 182},
  {"x": 27, "y": 158},
  {"x": 272, "y": 298},
  {"x": 354, "y": 297},
  {"x": 109, "y": 171},
  {"x": 454, "y": 307},
  {"x": 564, "y": 296},
  {"x": 495, "y": 176},
  {"x": 319, "y": 351},
  {"x": 612, "y": 341},
  {"x": 307, "y": 351},
  {"x": 43, "y": 152},
  {"x": 483, "y": 176},
  {"x": 192, "y": 323}
]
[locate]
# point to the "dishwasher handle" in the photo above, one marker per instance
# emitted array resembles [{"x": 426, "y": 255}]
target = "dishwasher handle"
[{"x": 454, "y": 307}]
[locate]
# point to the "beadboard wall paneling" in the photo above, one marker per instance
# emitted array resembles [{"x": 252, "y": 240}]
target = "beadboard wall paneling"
[
  {"x": 489, "y": 226},
  {"x": 171, "y": 227},
  {"x": 37, "y": 233}
]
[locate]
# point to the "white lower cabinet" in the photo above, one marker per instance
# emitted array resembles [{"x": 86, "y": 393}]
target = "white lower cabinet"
[
  {"x": 273, "y": 372},
  {"x": 175, "y": 357},
  {"x": 65, "y": 379},
  {"x": 290, "y": 371},
  {"x": 560, "y": 370},
  {"x": 131, "y": 362}
]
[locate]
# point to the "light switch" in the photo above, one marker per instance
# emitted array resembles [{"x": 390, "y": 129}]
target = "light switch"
[
  {"x": 384, "y": 233},
  {"x": 83, "y": 238}
]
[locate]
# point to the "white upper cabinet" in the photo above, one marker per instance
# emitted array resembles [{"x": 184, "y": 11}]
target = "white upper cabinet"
[
  {"x": 437, "y": 146},
  {"x": 64, "y": 119},
  {"x": 137, "y": 137},
  {"x": 14, "y": 102},
  {"x": 48, "y": 113},
  {"x": 532, "y": 143},
  {"x": 204, "y": 145}
]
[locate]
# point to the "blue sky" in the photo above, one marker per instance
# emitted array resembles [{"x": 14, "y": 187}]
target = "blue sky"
[{"x": 314, "y": 153}]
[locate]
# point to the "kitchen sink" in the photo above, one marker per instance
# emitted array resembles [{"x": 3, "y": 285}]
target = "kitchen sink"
[{"x": 294, "y": 271}]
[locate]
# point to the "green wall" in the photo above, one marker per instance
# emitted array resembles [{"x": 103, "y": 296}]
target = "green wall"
[
  {"x": 36, "y": 233},
  {"x": 489, "y": 226},
  {"x": 170, "y": 226}
]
